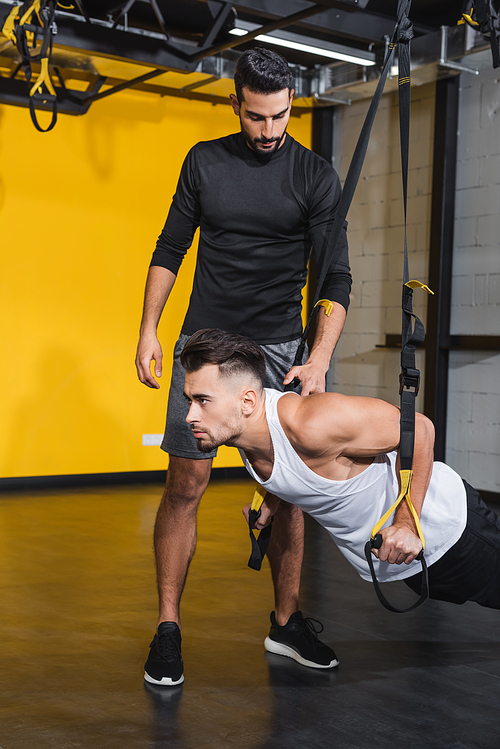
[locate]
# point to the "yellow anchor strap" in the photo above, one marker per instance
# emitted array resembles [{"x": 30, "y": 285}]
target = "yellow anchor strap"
[
  {"x": 418, "y": 285},
  {"x": 403, "y": 494},
  {"x": 467, "y": 18},
  {"x": 44, "y": 77},
  {"x": 8, "y": 27},
  {"x": 327, "y": 304}
]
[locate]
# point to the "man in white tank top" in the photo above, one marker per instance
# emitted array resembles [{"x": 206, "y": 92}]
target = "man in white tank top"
[{"x": 336, "y": 457}]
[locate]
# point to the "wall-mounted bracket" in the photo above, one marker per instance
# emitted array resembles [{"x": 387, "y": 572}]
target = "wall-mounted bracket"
[{"x": 445, "y": 63}]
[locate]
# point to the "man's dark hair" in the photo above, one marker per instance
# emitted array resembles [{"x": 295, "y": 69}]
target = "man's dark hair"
[
  {"x": 233, "y": 353},
  {"x": 262, "y": 72}
]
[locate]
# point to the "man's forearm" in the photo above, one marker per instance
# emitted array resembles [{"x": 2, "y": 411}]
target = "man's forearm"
[
  {"x": 158, "y": 287},
  {"x": 328, "y": 332},
  {"x": 423, "y": 461}
]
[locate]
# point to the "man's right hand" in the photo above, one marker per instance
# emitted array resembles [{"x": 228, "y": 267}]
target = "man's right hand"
[
  {"x": 268, "y": 509},
  {"x": 148, "y": 350}
]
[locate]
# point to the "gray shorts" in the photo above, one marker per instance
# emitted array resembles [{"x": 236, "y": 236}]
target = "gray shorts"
[{"x": 178, "y": 439}]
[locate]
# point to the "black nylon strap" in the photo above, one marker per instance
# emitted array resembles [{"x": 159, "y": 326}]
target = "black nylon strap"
[
  {"x": 335, "y": 227},
  {"x": 43, "y": 98},
  {"x": 412, "y": 328},
  {"x": 424, "y": 594},
  {"x": 46, "y": 30},
  {"x": 260, "y": 544}
]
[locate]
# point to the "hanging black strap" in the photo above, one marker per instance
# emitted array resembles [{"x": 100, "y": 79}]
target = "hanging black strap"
[
  {"x": 412, "y": 334},
  {"x": 259, "y": 544},
  {"x": 43, "y": 99},
  {"x": 336, "y": 226},
  {"x": 376, "y": 543},
  {"x": 33, "y": 19}
]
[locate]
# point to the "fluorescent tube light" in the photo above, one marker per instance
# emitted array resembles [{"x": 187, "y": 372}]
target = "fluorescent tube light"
[{"x": 289, "y": 40}]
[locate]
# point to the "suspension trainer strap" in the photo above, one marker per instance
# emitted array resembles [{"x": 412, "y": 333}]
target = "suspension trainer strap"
[
  {"x": 412, "y": 335},
  {"x": 336, "y": 226},
  {"x": 261, "y": 542},
  {"x": 482, "y": 15},
  {"x": 25, "y": 23}
]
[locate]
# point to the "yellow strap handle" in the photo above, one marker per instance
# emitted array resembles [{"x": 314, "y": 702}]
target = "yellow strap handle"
[
  {"x": 34, "y": 8},
  {"x": 327, "y": 304},
  {"x": 418, "y": 285},
  {"x": 8, "y": 27},
  {"x": 403, "y": 494},
  {"x": 44, "y": 77},
  {"x": 258, "y": 498}
]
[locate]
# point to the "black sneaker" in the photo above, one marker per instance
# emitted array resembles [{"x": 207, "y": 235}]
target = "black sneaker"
[
  {"x": 164, "y": 664},
  {"x": 298, "y": 639}
]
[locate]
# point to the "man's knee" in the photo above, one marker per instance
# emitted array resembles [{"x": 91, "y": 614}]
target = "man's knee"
[{"x": 186, "y": 480}]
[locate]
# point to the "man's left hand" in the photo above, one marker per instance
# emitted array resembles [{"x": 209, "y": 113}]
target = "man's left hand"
[
  {"x": 400, "y": 544},
  {"x": 312, "y": 377}
]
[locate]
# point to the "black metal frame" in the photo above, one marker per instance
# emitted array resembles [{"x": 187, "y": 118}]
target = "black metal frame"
[{"x": 163, "y": 55}]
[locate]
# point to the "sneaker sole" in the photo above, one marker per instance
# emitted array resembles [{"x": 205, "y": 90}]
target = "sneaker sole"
[
  {"x": 279, "y": 649},
  {"x": 166, "y": 681}
]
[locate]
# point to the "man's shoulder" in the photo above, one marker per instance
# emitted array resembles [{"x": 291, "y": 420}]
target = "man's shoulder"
[
  {"x": 306, "y": 420},
  {"x": 313, "y": 171},
  {"x": 228, "y": 143},
  {"x": 312, "y": 159}
]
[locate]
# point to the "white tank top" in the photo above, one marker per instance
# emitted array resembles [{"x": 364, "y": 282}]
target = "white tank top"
[{"x": 349, "y": 509}]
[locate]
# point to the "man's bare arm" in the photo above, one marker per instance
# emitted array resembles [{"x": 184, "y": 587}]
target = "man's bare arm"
[
  {"x": 312, "y": 374},
  {"x": 373, "y": 423},
  {"x": 328, "y": 427},
  {"x": 401, "y": 541},
  {"x": 158, "y": 287}
]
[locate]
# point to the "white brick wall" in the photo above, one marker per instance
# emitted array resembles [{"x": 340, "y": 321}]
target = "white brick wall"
[
  {"x": 376, "y": 241},
  {"x": 473, "y": 430},
  {"x": 376, "y": 245}
]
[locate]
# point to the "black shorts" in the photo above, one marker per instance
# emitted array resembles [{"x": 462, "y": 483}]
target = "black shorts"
[{"x": 470, "y": 570}]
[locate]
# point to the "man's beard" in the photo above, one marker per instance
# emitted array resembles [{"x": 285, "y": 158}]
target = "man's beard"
[
  {"x": 205, "y": 446},
  {"x": 252, "y": 142},
  {"x": 212, "y": 442}
]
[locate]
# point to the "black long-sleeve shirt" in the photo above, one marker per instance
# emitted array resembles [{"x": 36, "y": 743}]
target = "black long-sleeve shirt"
[{"x": 259, "y": 219}]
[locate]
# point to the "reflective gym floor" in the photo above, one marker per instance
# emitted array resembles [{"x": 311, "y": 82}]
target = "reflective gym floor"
[{"x": 78, "y": 612}]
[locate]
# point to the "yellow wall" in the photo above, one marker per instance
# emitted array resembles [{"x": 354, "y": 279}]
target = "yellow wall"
[{"x": 80, "y": 210}]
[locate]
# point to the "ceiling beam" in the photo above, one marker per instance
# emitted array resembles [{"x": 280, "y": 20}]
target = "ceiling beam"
[
  {"x": 352, "y": 23},
  {"x": 280, "y": 23}
]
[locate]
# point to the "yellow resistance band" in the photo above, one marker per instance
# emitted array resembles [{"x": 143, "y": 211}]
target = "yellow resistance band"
[{"x": 403, "y": 494}]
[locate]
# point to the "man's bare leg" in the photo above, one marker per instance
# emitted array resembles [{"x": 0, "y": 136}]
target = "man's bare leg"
[
  {"x": 285, "y": 554},
  {"x": 299, "y": 638},
  {"x": 175, "y": 530}
]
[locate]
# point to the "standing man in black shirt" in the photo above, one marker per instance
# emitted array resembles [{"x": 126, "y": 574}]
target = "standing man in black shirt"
[{"x": 263, "y": 202}]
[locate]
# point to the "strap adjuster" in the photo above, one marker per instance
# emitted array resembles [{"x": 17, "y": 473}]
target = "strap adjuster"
[{"x": 409, "y": 379}]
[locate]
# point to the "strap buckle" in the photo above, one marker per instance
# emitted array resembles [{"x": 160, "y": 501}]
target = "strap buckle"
[{"x": 409, "y": 379}]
